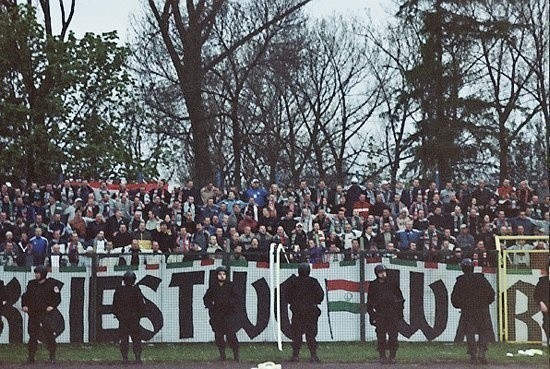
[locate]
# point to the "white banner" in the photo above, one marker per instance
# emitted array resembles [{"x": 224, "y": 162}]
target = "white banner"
[{"x": 176, "y": 312}]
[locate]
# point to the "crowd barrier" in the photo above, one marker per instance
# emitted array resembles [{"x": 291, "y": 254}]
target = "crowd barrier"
[{"x": 175, "y": 310}]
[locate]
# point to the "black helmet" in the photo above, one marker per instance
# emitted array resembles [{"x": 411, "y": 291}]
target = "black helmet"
[
  {"x": 129, "y": 278},
  {"x": 221, "y": 268},
  {"x": 303, "y": 269},
  {"x": 467, "y": 265},
  {"x": 379, "y": 269},
  {"x": 42, "y": 270}
]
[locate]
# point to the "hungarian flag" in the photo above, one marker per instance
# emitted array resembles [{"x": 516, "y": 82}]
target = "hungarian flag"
[{"x": 344, "y": 295}]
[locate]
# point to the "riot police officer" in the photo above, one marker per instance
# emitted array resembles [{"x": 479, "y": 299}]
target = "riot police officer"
[
  {"x": 39, "y": 301},
  {"x": 129, "y": 307},
  {"x": 472, "y": 293},
  {"x": 2, "y": 299},
  {"x": 385, "y": 304},
  {"x": 542, "y": 299},
  {"x": 221, "y": 300},
  {"x": 303, "y": 294}
]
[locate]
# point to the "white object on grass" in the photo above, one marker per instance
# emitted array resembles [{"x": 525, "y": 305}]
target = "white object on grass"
[{"x": 268, "y": 365}]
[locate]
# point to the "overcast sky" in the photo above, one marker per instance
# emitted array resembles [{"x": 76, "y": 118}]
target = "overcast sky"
[{"x": 99, "y": 16}]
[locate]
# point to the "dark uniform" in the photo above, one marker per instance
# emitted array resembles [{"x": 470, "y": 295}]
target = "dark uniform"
[
  {"x": 542, "y": 294},
  {"x": 221, "y": 300},
  {"x": 303, "y": 294},
  {"x": 40, "y": 299},
  {"x": 2, "y": 299},
  {"x": 473, "y": 294},
  {"x": 129, "y": 307},
  {"x": 385, "y": 304}
]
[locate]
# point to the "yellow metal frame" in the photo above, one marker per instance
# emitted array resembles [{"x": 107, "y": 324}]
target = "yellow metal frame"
[{"x": 503, "y": 322}]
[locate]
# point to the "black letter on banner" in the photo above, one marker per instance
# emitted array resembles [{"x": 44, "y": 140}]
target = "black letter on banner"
[
  {"x": 13, "y": 316},
  {"x": 185, "y": 282},
  {"x": 104, "y": 284},
  {"x": 285, "y": 320},
  {"x": 262, "y": 312},
  {"x": 76, "y": 308},
  {"x": 153, "y": 312},
  {"x": 416, "y": 305},
  {"x": 533, "y": 328}
]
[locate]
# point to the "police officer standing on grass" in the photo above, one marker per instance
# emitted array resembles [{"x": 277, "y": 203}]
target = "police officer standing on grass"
[
  {"x": 40, "y": 299},
  {"x": 303, "y": 294},
  {"x": 2, "y": 299},
  {"x": 129, "y": 307},
  {"x": 221, "y": 300},
  {"x": 473, "y": 294},
  {"x": 542, "y": 298},
  {"x": 385, "y": 305}
]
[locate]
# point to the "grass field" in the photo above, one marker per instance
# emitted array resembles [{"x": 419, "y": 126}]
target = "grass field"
[{"x": 340, "y": 352}]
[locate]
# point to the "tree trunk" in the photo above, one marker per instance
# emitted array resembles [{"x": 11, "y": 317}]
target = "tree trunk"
[
  {"x": 236, "y": 142},
  {"x": 192, "y": 91},
  {"x": 503, "y": 151}
]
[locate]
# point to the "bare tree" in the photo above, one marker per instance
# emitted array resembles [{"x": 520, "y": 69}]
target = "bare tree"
[
  {"x": 399, "y": 110},
  {"x": 186, "y": 32}
]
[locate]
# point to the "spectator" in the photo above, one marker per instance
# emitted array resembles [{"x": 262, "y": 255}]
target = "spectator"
[
  {"x": 75, "y": 250},
  {"x": 348, "y": 236},
  {"x": 207, "y": 192},
  {"x": 456, "y": 257},
  {"x": 165, "y": 238},
  {"x": 99, "y": 244},
  {"x": 465, "y": 241},
  {"x": 458, "y": 219},
  {"x": 521, "y": 220},
  {"x": 200, "y": 237},
  {"x": 362, "y": 206},
  {"x": 39, "y": 247},
  {"x": 386, "y": 236},
  {"x": 402, "y": 219},
  {"x": 407, "y": 236},
  {"x": 518, "y": 258},
  {"x": 122, "y": 237},
  {"x": 339, "y": 222},
  {"x": 447, "y": 193},
  {"x": 161, "y": 191},
  {"x": 379, "y": 206},
  {"x": 306, "y": 220},
  {"x": 8, "y": 256},
  {"x": 209, "y": 210},
  {"x": 420, "y": 221},
  {"x": 53, "y": 206},
  {"x": 482, "y": 194},
  {"x": 143, "y": 236},
  {"x": 57, "y": 225}
]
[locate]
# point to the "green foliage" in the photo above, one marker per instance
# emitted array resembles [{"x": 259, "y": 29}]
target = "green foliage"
[{"x": 61, "y": 102}]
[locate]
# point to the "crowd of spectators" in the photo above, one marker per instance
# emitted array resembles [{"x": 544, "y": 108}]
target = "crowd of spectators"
[{"x": 70, "y": 223}]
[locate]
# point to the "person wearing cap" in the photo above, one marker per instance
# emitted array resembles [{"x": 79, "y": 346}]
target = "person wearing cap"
[
  {"x": 41, "y": 297},
  {"x": 472, "y": 294},
  {"x": 128, "y": 307},
  {"x": 222, "y": 300},
  {"x": 303, "y": 294},
  {"x": 258, "y": 193},
  {"x": 352, "y": 193},
  {"x": 385, "y": 305}
]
